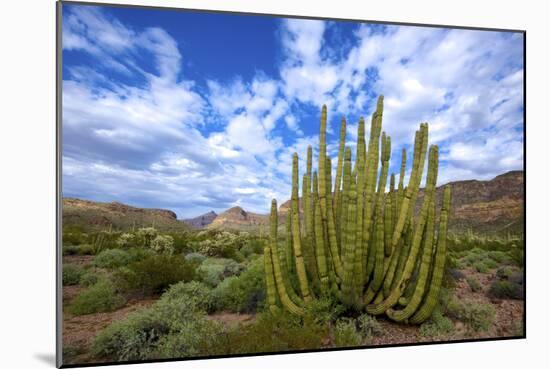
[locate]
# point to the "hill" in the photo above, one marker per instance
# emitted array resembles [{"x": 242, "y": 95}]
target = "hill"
[
  {"x": 236, "y": 218},
  {"x": 92, "y": 215},
  {"x": 201, "y": 221}
]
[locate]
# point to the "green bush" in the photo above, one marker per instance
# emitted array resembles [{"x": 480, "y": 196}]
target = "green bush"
[
  {"x": 244, "y": 293},
  {"x": 112, "y": 258},
  {"x": 154, "y": 274},
  {"x": 83, "y": 249},
  {"x": 481, "y": 267},
  {"x": 163, "y": 244},
  {"x": 506, "y": 290},
  {"x": 98, "y": 298},
  {"x": 126, "y": 240},
  {"x": 437, "y": 325},
  {"x": 71, "y": 274},
  {"x": 198, "y": 293},
  {"x": 505, "y": 272},
  {"x": 91, "y": 277},
  {"x": 474, "y": 283},
  {"x": 172, "y": 328},
  {"x": 144, "y": 236},
  {"x": 478, "y": 316},
  {"x": 272, "y": 332},
  {"x": 346, "y": 334},
  {"x": 490, "y": 263},
  {"x": 369, "y": 326},
  {"x": 140, "y": 253},
  {"x": 324, "y": 309},
  {"x": 195, "y": 257},
  {"x": 213, "y": 270},
  {"x": 500, "y": 257}
]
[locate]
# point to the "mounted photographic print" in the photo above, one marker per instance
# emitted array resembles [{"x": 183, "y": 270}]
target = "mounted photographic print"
[{"x": 244, "y": 184}]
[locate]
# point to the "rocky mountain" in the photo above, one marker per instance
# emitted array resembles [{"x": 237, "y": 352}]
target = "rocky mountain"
[
  {"x": 493, "y": 206},
  {"x": 236, "y": 218},
  {"x": 201, "y": 221},
  {"x": 92, "y": 215}
]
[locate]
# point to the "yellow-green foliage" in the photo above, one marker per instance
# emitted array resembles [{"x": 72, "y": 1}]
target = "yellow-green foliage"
[{"x": 364, "y": 242}]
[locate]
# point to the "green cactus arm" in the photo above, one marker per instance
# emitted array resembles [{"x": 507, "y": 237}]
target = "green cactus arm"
[
  {"x": 347, "y": 287},
  {"x": 309, "y": 239},
  {"x": 280, "y": 266},
  {"x": 270, "y": 280},
  {"x": 296, "y": 238},
  {"x": 322, "y": 165},
  {"x": 345, "y": 197},
  {"x": 396, "y": 293},
  {"x": 360, "y": 189},
  {"x": 414, "y": 301},
  {"x": 320, "y": 249},
  {"x": 338, "y": 181},
  {"x": 430, "y": 301},
  {"x": 331, "y": 229},
  {"x": 388, "y": 225}
]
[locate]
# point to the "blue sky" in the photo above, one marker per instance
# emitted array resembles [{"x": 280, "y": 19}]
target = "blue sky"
[{"x": 201, "y": 111}]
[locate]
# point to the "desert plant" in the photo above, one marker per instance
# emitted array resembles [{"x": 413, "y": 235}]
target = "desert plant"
[
  {"x": 357, "y": 241},
  {"x": 437, "y": 325},
  {"x": 72, "y": 274},
  {"x": 198, "y": 293},
  {"x": 154, "y": 274},
  {"x": 478, "y": 316},
  {"x": 346, "y": 334},
  {"x": 244, "y": 293},
  {"x": 170, "y": 328},
  {"x": 506, "y": 290},
  {"x": 126, "y": 240},
  {"x": 163, "y": 244},
  {"x": 100, "y": 297},
  {"x": 473, "y": 283},
  {"x": 112, "y": 258}
]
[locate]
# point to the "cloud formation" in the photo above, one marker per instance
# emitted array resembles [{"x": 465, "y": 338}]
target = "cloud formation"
[{"x": 138, "y": 129}]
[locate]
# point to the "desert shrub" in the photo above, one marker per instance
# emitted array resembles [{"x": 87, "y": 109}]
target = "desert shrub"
[
  {"x": 324, "y": 309},
  {"x": 71, "y": 274},
  {"x": 91, "y": 277},
  {"x": 505, "y": 272},
  {"x": 272, "y": 332},
  {"x": 369, "y": 326},
  {"x": 82, "y": 249},
  {"x": 244, "y": 293},
  {"x": 198, "y": 293},
  {"x": 481, "y": 267},
  {"x": 506, "y": 290},
  {"x": 221, "y": 244},
  {"x": 437, "y": 325},
  {"x": 112, "y": 258},
  {"x": 195, "y": 257},
  {"x": 171, "y": 328},
  {"x": 490, "y": 263},
  {"x": 478, "y": 316},
  {"x": 145, "y": 235},
  {"x": 100, "y": 297},
  {"x": 140, "y": 253},
  {"x": 473, "y": 283},
  {"x": 126, "y": 240},
  {"x": 154, "y": 274},
  {"x": 517, "y": 254},
  {"x": 500, "y": 257},
  {"x": 163, "y": 244},
  {"x": 213, "y": 270},
  {"x": 346, "y": 334}
]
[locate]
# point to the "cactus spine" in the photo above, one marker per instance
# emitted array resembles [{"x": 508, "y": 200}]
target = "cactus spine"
[{"x": 357, "y": 240}]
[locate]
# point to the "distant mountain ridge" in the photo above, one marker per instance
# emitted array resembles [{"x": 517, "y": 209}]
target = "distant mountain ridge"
[
  {"x": 202, "y": 220},
  {"x": 93, "y": 215},
  {"x": 236, "y": 218},
  {"x": 491, "y": 206}
]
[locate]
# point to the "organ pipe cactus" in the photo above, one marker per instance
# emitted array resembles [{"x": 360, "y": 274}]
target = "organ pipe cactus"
[{"x": 356, "y": 240}]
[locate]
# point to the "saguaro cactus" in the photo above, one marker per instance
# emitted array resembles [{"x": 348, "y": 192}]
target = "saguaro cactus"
[{"x": 360, "y": 242}]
